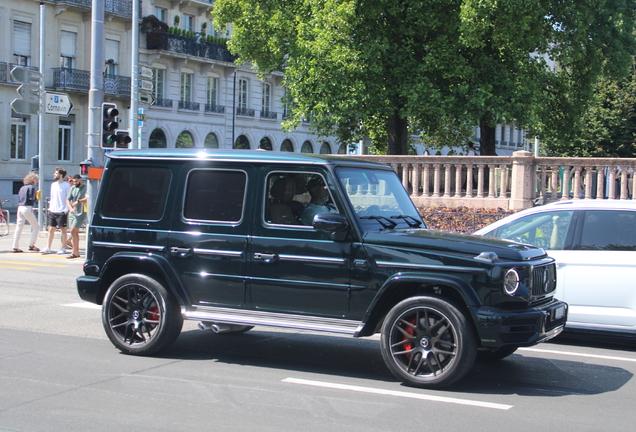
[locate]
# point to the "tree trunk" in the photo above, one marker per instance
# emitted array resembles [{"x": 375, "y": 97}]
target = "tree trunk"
[
  {"x": 487, "y": 140},
  {"x": 398, "y": 134}
]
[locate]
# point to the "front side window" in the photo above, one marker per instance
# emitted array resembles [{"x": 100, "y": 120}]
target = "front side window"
[
  {"x": 295, "y": 198},
  {"x": 136, "y": 193},
  {"x": 18, "y": 138},
  {"x": 215, "y": 195},
  {"x": 545, "y": 230},
  {"x": 378, "y": 198},
  {"x": 65, "y": 135},
  {"x": 186, "y": 87},
  {"x": 609, "y": 230}
]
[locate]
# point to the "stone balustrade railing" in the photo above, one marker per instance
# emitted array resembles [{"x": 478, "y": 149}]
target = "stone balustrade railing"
[{"x": 511, "y": 182}]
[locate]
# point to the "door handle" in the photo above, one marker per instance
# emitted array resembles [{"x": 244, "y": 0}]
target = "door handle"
[
  {"x": 266, "y": 257},
  {"x": 181, "y": 252}
]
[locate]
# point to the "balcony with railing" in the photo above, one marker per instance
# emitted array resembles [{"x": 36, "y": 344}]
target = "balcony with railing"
[
  {"x": 188, "y": 46},
  {"x": 116, "y": 7},
  {"x": 247, "y": 112},
  {"x": 76, "y": 80},
  {"x": 212, "y": 108},
  {"x": 164, "y": 103},
  {"x": 269, "y": 115},
  {"x": 188, "y": 105}
]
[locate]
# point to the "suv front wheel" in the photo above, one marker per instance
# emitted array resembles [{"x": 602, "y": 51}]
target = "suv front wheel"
[
  {"x": 140, "y": 316},
  {"x": 427, "y": 342}
]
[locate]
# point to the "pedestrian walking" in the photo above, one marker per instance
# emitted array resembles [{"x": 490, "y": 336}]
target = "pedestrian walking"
[
  {"x": 27, "y": 197},
  {"x": 58, "y": 210},
  {"x": 75, "y": 201}
]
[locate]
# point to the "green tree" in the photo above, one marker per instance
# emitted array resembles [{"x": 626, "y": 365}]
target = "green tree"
[{"x": 352, "y": 65}]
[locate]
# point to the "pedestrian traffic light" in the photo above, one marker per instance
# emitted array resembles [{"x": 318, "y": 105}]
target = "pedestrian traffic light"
[
  {"x": 35, "y": 163},
  {"x": 109, "y": 124},
  {"x": 122, "y": 139},
  {"x": 84, "y": 167}
]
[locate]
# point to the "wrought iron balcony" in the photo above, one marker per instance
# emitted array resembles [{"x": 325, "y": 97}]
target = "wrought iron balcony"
[
  {"x": 245, "y": 112},
  {"x": 77, "y": 80},
  {"x": 5, "y": 71},
  {"x": 188, "y": 46},
  {"x": 165, "y": 103},
  {"x": 219, "y": 109},
  {"x": 194, "y": 106},
  {"x": 118, "y": 7},
  {"x": 269, "y": 115}
]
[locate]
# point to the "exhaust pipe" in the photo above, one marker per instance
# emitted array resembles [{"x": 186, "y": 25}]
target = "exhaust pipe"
[{"x": 219, "y": 328}]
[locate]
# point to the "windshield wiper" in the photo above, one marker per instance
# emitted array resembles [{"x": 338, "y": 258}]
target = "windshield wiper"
[
  {"x": 410, "y": 220},
  {"x": 382, "y": 221}
]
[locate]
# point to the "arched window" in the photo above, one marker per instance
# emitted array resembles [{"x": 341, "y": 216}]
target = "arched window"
[
  {"x": 307, "y": 147},
  {"x": 265, "y": 144},
  {"x": 242, "y": 143},
  {"x": 211, "y": 141},
  {"x": 184, "y": 140},
  {"x": 342, "y": 149},
  {"x": 287, "y": 146},
  {"x": 157, "y": 139},
  {"x": 325, "y": 148}
]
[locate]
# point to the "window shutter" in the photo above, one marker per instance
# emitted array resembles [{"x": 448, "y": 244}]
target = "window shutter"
[
  {"x": 111, "y": 50},
  {"x": 67, "y": 48},
  {"x": 22, "y": 38}
]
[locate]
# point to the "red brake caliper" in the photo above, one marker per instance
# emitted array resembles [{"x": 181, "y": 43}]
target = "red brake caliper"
[{"x": 409, "y": 346}]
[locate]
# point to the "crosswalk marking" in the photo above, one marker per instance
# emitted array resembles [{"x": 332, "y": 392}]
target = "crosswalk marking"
[{"x": 14, "y": 264}]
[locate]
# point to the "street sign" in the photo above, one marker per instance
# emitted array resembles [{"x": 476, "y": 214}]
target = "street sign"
[
  {"x": 25, "y": 76},
  {"x": 25, "y": 107},
  {"x": 29, "y": 92},
  {"x": 57, "y": 103},
  {"x": 146, "y": 98},
  {"x": 141, "y": 117},
  {"x": 146, "y": 72},
  {"x": 146, "y": 85}
]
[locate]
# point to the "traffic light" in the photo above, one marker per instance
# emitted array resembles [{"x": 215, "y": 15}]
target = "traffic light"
[
  {"x": 123, "y": 139},
  {"x": 84, "y": 168},
  {"x": 109, "y": 124}
]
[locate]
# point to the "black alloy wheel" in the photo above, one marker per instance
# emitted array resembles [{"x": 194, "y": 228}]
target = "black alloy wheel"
[
  {"x": 427, "y": 342},
  {"x": 140, "y": 317}
]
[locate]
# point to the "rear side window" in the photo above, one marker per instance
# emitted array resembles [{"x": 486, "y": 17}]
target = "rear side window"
[
  {"x": 136, "y": 193},
  {"x": 609, "y": 230},
  {"x": 215, "y": 195}
]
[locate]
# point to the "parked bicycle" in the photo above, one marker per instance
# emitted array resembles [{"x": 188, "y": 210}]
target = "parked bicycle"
[{"x": 4, "y": 219}]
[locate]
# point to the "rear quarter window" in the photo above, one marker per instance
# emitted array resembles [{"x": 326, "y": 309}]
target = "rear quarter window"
[
  {"x": 136, "y": 193},
  {"x": 215, "y": 195},
  {"x": 609, "y": 230}
]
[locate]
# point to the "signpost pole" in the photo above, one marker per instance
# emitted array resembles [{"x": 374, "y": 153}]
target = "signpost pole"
[
  {"x": 42, "y": 171},
  {"x": 134, "y": 89}
]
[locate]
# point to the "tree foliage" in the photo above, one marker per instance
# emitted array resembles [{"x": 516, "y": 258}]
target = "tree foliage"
[{"x": 361, "y": 67}]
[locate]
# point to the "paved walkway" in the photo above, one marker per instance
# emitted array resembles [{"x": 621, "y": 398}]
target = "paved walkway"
[{"x": 6, "y": 242}]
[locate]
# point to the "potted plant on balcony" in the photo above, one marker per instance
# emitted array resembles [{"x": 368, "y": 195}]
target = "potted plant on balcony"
[{"x": 155, "y": 31}]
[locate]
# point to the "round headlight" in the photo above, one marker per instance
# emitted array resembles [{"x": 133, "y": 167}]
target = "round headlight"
[{"x": 511, "y": 281}]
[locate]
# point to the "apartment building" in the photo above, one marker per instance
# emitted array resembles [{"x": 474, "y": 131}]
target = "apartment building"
[{"x": 199, "y": 97}]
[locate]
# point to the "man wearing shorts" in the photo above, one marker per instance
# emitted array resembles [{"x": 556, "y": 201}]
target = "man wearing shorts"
[
  {"x": 75, "y": 201},
  {"x": 58, "y": 210}
]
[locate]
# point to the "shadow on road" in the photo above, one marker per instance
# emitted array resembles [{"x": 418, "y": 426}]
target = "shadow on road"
[{"x": 521, "y": 374}]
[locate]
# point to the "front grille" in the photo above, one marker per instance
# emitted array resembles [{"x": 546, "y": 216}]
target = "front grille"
[{"x": 543, "y": 280}]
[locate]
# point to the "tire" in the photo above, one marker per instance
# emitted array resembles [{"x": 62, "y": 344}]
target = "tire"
[
  {"x": 494, "y": 355},
  {"x": 427, "y": 342},
  {"x": 140, "y": 316}
]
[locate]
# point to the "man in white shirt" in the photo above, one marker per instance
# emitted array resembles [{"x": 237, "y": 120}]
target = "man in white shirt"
[{"x": 58, "y": 210}]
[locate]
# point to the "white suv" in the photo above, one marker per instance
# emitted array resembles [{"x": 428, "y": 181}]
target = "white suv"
[{"x": 594, "y": 245}]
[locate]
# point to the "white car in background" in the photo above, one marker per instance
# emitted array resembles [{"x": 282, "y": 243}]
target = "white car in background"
[{"x": 594, "y": 245}]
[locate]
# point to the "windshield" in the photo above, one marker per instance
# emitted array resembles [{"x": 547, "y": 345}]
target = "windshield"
[{"x": 378, "y": 198}]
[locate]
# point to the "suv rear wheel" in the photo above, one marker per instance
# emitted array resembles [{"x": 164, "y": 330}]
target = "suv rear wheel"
[
  {"x": 427, "y": 342},
  {"x": 140, "y": 316}
]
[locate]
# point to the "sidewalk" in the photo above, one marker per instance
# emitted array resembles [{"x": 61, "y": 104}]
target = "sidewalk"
[{"x": 6, "y": 242}]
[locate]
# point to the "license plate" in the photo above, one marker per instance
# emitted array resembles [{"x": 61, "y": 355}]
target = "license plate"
[{"x": 559, "y": 312}]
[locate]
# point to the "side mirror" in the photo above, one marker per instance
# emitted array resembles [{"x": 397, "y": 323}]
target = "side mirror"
[{"x": 334, "y": 223}]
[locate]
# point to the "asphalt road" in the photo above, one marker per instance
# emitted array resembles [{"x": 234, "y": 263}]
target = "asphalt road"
[{"x": 59, "y": 372}]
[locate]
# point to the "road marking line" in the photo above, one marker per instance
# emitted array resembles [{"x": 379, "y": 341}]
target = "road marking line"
[
  {"x": 29, "y": 263},
  {"x": 83, "y": 305},
  {"x": 568, "y": 353},
  {"x": 398, "y": 394},
  {"x": 15, "y": 267}
]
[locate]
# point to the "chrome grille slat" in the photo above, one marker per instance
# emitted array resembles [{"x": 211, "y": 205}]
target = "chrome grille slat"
[{"x": 543, "y": 280}]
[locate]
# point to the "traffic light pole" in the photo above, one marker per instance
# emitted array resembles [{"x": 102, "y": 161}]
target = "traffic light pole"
[{"x": 95, "y": 99}]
